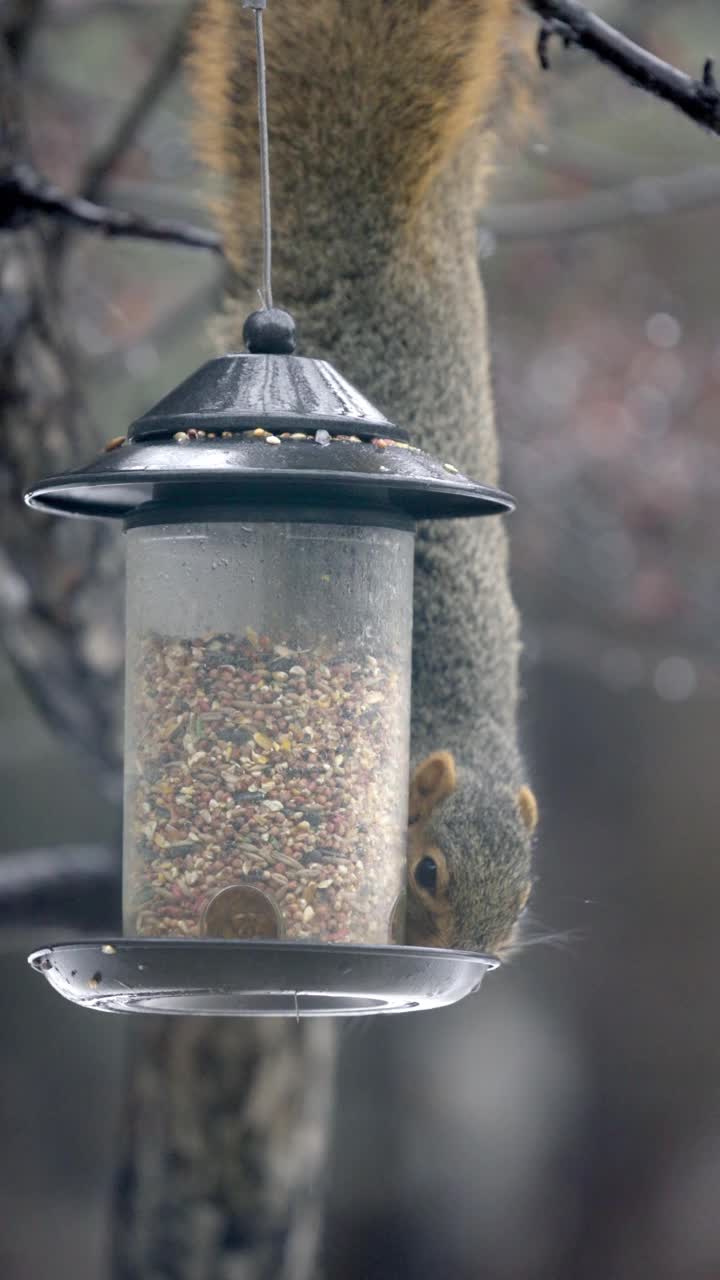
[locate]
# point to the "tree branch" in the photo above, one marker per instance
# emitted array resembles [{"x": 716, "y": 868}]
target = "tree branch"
[
  {"x": 570, "y": 156},
  {"x": 225, "y": 1135},
  {"x": 60, "y": 597},
  {"x": 23, "y": 193},
  {"x": 573, "y": 24},
  {"x": 161, "y": 76},
  {"x": 643, "y": 198},
  {"x": 66, "y": 888},
  {"x": 18, "y": 19},
  {"x": 223, "y": 1149}
]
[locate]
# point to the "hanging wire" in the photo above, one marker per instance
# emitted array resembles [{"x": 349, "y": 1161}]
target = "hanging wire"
[{"x": 258, "y": 6}]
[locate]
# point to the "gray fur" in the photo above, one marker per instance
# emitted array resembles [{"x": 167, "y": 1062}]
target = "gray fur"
[
  {"x": 415, "y": 344},
  {"x": 485, "y": 842}
]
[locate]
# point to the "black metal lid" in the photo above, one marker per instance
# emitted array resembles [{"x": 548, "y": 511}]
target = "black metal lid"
[
  {"x": 282, "y": 393},
  {"x": 266, "y": 430}
]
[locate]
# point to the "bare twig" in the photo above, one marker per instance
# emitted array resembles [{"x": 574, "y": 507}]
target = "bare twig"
[
  {"x": 60, "y": 603},
  {"x": 153, "y": 196},
  {"x": 18, "y": 19},
  {"x": 584, "y": 162},
  {"x": 573, "y": 24},
  {"x": 23, "y": 193},
  {"x": 71, "y": 887},
  {"x": 130, "y": 123},
  {"x": 643, "y": 198},
  {"x": 594, "y": 650},
  {"x": 254, "y": 1102}
]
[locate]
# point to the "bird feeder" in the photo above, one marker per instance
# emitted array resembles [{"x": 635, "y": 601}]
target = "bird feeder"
[{"x": 269, "y": 514}]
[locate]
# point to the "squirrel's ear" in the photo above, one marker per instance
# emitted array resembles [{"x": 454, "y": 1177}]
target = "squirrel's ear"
[
  {"x": 432, "y": 782},
  {"x": 527, "y": 804}
]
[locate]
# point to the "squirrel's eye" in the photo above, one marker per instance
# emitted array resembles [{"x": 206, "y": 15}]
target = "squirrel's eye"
[{"x": 426, "y": 874}]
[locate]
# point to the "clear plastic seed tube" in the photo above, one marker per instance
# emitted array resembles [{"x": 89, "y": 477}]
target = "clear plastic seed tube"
[{"x": 267, "y": 722}]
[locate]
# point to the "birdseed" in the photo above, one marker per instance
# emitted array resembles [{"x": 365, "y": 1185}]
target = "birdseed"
[{"x": 263, "y": 791}]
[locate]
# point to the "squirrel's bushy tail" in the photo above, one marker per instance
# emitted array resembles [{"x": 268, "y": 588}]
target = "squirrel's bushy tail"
[{"x": 369, "y": 100}]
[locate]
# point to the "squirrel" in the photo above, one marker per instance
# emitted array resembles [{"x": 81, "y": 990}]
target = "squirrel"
[{"x": 382, "y": 120}]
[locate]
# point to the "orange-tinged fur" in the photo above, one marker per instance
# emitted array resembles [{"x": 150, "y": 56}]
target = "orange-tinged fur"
[{"x": 333, "y": 64}]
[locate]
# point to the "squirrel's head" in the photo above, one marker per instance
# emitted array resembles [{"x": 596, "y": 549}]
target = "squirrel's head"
[{"x": 469, "y": 856}]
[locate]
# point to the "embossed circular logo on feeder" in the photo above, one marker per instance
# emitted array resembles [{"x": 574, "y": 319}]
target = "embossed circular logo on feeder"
[{"x": 242, "y": 911}]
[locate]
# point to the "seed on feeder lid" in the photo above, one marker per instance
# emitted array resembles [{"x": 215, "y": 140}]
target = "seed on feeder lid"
[
  {"x": 114, "y": 443},
  {"x": 181, "y": 436},
  {"x": 259, "y": 431},
  {"x": 299, "y": 435},
  {"x": 227, "y": 435},
  {"x": 272, "y": 440},
  {"x": 109, "y": 950},
  {"x": 449, "y": 467}
]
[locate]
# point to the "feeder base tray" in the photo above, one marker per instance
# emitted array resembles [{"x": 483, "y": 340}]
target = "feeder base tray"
[{"x": 258, "y": 979}]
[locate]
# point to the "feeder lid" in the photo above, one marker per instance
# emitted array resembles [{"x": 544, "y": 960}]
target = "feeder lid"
[
  {"x": 207, "y": 444},
  {"x": 281, "y": 393}
]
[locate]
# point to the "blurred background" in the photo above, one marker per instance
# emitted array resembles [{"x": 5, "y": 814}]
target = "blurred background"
[{"x": 565, "y": 1123}]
